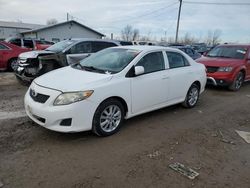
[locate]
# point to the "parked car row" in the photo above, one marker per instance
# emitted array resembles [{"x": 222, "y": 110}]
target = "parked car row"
[
  {"x": 103, "y": 82},
  {"x": 35, "y": 63},
  {"x": 11, "y": 48}
]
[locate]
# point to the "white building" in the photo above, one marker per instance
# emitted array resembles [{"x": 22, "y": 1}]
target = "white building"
[
  {"x": 14, "y": 29},
  {"x": 61, "y": 31}
]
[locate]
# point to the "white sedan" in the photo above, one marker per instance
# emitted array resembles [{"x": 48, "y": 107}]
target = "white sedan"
[{"x": 112, "y": 85}]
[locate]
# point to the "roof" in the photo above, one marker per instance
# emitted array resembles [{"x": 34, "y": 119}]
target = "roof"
[
  {"x": 236, "y": 45},
  {"x": 19, "y": 25},
  {"x": 62, "y": 23},
  {"x": 144, "y": 47}
]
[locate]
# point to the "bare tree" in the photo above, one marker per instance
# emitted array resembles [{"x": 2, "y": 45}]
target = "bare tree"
[
  {"x": 213, "y": 37},
  {"x": 51, "y": 21},
  {"x": 216, "y": 37},
  {"x": 129, "y": 34}
]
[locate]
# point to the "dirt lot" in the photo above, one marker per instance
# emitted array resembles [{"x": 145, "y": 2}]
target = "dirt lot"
[{"x": 31, "y": 156}]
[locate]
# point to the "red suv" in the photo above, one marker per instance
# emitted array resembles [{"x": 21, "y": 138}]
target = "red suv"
[
  {"x": 227, "y": 65},
  {"x": 9, "y": 54}
]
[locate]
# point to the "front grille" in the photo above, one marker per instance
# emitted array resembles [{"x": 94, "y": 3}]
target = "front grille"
[
  {"x": 211, "y": 69},
  {"x": 38, "y": 97}
]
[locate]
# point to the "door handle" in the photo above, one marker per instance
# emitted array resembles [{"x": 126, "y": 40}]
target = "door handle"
[{"x": 165, "y": 77}]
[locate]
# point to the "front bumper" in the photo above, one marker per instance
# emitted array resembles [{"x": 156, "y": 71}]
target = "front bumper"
[
  {"x": 28, "y": 69},
  {"x": 51, "y": 117},
  {"x": 219, "y": 79}
]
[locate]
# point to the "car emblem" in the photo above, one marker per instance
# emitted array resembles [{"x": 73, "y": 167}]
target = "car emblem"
[{"x": 33, "y": 93}]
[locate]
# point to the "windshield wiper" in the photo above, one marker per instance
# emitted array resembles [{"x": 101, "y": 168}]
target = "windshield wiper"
[{"x": 91, "y": 68}]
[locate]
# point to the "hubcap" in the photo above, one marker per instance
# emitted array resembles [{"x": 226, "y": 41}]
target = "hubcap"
[
  {"x": 13, "y": 64},
  {"x": 110, "y": 118},
  {"x": 238, "y": 81},
  {"x": 193, "y": 96}
]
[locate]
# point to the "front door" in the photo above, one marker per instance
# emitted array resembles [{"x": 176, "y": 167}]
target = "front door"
[{"x": 149, "y": 89}]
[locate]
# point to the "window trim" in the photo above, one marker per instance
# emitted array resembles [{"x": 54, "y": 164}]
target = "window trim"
[{"x": 184, "y": 58}]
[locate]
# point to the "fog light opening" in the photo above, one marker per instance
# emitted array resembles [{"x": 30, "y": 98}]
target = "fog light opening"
[{"x": 66, "y": 122}]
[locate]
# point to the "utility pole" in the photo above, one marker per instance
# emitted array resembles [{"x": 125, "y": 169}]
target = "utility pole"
[
  {"x": 177, "y": 29},
  {"x": 67, "y": 16}
]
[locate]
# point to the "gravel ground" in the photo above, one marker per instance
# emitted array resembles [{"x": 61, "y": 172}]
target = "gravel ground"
[{"x": 137, "y": 156}]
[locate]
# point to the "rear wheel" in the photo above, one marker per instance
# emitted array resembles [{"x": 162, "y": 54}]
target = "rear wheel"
[
  {"x": 192, "y": 96},
  {"x": 108, "y": 118},
  {"x": 237, "y": 83},
  {"x": 12, "y": 65}
]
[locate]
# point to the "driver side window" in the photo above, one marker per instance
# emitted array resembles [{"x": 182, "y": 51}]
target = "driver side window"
[
  {"x": 152, "y": 62},
  {"x": 81, "y": 48}
]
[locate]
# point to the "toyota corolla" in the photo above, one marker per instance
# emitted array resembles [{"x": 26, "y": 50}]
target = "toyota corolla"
[{"x": 112, "y": 85}]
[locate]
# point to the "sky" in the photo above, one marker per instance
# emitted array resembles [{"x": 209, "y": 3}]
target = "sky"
[{"x": 154, "y": 18}]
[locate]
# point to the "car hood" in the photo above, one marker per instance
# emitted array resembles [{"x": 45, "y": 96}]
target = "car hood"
[
  {"x": 219, "y": 62},
  {"x": 34, "y": 54},
  {"x": 69, "y": 79}
]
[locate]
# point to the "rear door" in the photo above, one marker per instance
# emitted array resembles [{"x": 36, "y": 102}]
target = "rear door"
[
  {"x": 180, "y": 73},
  {"x": 78, "y": 52}
]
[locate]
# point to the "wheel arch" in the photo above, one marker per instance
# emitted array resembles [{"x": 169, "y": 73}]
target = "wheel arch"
[
  {"x": 124, "y": 103},
  {"x": 197, "y": 83}
]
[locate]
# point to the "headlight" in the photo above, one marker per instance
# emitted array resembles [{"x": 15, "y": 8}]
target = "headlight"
[
  {"x": 71, "y": 97},
  {"x": 225, "y": 69}
]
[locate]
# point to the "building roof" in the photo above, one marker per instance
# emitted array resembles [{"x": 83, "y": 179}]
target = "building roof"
[
  {"x": 19, "y": 25},
  {"x": 62, "y": 23}
]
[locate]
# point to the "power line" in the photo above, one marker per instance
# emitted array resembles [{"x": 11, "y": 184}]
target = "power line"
[
  {"x": 146, "y": 14},
  {"x": 213, "y": 3}
]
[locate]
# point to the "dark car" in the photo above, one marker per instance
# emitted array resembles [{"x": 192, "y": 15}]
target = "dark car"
[
  {"x": 227, "y": 65},
  {"x": 200, "y": 48},
  {"x": 35, "y": 63},
  {"x": 188, "y": 50}
]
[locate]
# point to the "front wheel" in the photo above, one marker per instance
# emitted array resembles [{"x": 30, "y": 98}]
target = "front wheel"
[
  {"x": 108, "y": 118},
  {"x": 237, "y": 83},
  {"x": 192, "y": 96}
]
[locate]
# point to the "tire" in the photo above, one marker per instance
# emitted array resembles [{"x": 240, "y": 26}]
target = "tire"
[
  {"x": 192, "y": 96},
  {"x": 112, "y": 112},
  {"x": 238, "y": 81},
  {"x": 12, "y": 64}
]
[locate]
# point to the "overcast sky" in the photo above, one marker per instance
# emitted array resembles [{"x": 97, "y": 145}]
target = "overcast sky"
[{"x": 156, "y": 18}]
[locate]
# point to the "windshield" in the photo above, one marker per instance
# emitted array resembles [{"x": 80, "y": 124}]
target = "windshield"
[
  {"x": 111, "y": 60},
  {"x": 233, "y": 52},
  {"x": 60, "y": 46}
]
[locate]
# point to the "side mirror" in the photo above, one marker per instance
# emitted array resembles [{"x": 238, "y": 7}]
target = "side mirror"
[{"x": 139, "y": 70}]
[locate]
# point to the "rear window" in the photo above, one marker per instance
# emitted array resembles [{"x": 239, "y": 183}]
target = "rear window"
[{"x": 97, "y": 46}]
